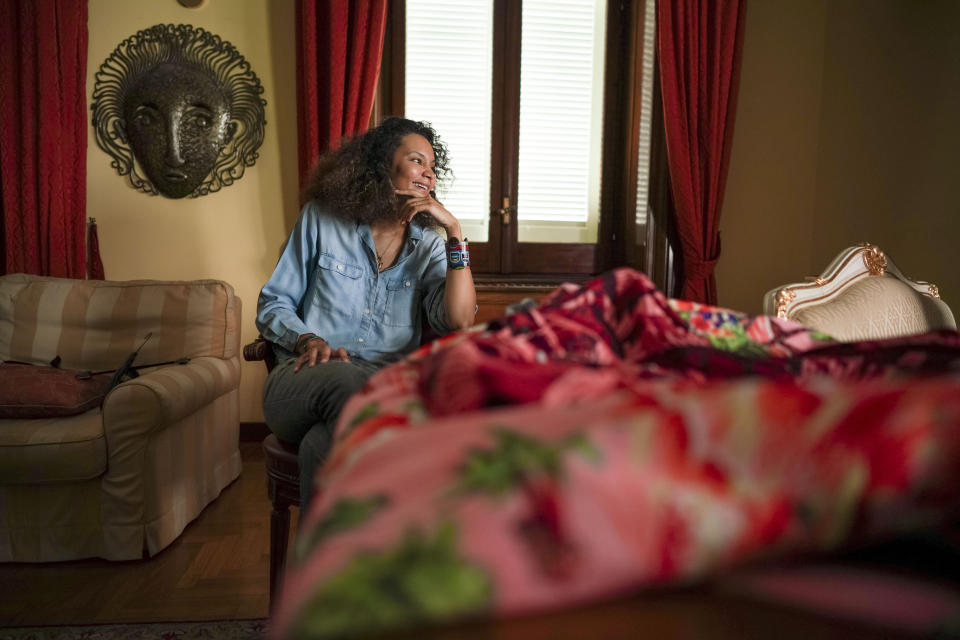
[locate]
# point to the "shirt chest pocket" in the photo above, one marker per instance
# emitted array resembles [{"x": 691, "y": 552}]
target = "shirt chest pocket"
[
  {"x": 337, "y": 284},
  {"x": 403, "y": 303}
]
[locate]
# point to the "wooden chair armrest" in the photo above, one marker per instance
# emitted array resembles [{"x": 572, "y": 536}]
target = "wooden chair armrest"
[{"x": 260, "y": 349}]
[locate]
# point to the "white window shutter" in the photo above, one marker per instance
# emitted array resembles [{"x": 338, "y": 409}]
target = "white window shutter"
[
  {"x": 561, "y": 115},
  {"x": 449, "y": 59}
]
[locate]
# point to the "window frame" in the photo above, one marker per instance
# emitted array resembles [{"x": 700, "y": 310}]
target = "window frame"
[{"x": 501, "y": 259}]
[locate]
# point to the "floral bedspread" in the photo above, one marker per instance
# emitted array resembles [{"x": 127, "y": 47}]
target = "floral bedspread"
[{"x": 612, "y": 439}]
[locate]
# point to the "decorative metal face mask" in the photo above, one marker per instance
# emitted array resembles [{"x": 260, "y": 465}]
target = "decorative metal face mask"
[{"x": 179, "y": 110}]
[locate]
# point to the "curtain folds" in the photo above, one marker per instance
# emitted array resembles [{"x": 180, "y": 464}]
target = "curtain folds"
[
  {"x": 339, "y": 44},
  {"x": 700, "y": 44},
  {"x": 43, "y": 136}
]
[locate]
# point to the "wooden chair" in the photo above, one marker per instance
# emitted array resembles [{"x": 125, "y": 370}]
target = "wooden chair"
[
  {"x": 283, "y": 468},
  {"x": 862, "y": 295},
  {"x": 283, "y": 478}
]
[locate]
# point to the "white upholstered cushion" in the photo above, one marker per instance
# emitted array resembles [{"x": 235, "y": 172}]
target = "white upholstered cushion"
[{"x": 876, "y": 307}]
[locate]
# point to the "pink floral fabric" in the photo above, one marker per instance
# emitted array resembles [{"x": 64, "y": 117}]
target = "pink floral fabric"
[{"x": 612, "y": 439}]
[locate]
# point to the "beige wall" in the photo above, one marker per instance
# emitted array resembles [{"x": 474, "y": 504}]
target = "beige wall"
[
  {"x": 765, "y": 227},
  {"x": 846, "y": 130},
  {"x": 234, "y": 234},
  {"x": 890, "y": 134}
]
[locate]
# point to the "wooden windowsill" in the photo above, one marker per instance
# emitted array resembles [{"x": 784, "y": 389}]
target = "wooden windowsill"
[{"x": 538, "y": 282}]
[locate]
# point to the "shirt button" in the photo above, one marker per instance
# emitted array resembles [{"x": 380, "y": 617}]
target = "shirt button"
[
  {"x": 359, "y": 339},
  {"x": 339, "y": 267},
  {"x": 366, "y": 311},
  {"x": 407, "y": 283}
]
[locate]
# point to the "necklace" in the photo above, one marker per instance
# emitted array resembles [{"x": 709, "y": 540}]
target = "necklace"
[{"x": 386, "y": 250}]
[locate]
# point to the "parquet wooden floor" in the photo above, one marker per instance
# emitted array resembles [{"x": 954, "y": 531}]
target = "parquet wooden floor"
[{"x": 217, "y": 569}]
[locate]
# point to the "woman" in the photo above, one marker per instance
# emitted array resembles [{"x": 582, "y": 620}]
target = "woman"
[{"x": 363, "y": 264}]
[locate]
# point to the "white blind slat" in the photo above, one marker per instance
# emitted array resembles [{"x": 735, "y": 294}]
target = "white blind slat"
[
  {"x": 561, "y": 90},
  {"x": 448, "y": 83},
  {"x": 646, "y": 113}
]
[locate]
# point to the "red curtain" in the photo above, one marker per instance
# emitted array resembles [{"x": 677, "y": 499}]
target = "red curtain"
[
  {"x": 43, "y": 136},
  {"x": 339, "y": 43},
  {"x": 700, "y": 43}
]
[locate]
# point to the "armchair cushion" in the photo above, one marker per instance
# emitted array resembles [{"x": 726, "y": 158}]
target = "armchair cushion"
[{"x": 51, "y": 450}]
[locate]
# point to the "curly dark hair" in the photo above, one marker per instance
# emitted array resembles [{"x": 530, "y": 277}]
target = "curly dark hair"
[{"x": 354, "y": 180}]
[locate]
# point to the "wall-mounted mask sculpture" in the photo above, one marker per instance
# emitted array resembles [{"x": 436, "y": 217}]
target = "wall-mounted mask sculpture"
[{"x": 179, "y": 111}]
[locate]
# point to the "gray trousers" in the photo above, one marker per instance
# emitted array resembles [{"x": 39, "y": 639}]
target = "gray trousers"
[{"x": 302, "y": 408}]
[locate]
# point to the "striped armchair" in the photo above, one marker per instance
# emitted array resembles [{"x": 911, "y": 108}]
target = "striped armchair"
[{"x": 123, "y": 480}]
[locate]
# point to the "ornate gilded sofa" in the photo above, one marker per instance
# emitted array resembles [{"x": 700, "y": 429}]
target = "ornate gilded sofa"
[
  {"x": 123, "y": 480},
  {"x": 862, "y": 295}
]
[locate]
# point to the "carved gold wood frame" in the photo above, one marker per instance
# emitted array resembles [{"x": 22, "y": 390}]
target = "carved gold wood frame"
[{"x": 862, "y": 261}]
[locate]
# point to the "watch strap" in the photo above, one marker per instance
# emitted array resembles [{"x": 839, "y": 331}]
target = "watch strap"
[{"x": 458, "y": 253}]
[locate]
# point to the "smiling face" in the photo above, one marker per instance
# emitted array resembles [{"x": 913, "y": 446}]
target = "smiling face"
[
  {"x": 413, "y": 163},
  {"x": 177, "y": 121}
]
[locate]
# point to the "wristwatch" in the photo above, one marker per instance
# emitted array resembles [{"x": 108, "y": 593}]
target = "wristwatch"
[{"x": 458, "y": 254}]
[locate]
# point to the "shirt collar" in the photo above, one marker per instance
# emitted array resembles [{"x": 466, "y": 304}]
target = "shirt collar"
[{"x": 416, "y": 232}]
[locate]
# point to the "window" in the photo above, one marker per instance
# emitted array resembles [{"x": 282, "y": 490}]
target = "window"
[
  {"x": 449, "y": 84},
  {"x": 561, "y": 113},
  {"x": 546, "y": 108}
]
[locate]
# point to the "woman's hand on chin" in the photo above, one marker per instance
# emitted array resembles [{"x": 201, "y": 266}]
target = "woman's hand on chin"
[{"x": 417, "y": 201}]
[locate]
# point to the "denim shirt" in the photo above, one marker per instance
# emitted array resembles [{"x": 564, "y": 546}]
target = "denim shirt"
[{"x": 327, "y": 283}]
